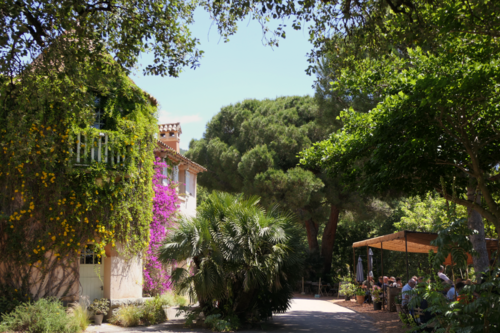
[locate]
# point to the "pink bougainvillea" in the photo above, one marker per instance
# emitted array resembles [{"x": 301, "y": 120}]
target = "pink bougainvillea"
[{"x": 165, "y": 206}]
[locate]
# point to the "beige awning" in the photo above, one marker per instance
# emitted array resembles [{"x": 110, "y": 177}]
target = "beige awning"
[{"x": 418, "y": 242}]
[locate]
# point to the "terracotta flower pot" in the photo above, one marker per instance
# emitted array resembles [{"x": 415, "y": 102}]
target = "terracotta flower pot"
[
  {"x": 360, "y": 299},
  {"x": 398, "y": 308},
  {"x": 98, "y": 319}
]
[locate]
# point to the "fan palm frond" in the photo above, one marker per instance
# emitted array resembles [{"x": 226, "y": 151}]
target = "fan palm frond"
[{"x": 242, "y": 254}]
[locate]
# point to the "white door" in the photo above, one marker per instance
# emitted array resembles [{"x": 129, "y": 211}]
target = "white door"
[{"x": 91, "y": 276}]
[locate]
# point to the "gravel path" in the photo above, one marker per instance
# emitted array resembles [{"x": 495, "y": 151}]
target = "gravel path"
[{"x": 305, "y": 315}]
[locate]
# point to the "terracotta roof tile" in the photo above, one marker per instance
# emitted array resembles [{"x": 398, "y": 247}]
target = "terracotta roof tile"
[{"x": 165, "y": 148}]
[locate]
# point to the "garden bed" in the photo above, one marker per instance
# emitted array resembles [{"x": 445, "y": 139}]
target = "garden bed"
[{"x": 387, "y": 322}]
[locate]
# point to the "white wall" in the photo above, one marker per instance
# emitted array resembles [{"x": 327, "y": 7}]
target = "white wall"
[{"x": 188, "y": 206}]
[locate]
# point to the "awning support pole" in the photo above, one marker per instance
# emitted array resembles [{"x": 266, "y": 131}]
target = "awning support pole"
[
  {"x": 354, "y": 262},
  {"x": 382, "y": 268},
  {"x": 407, "y": 269}
]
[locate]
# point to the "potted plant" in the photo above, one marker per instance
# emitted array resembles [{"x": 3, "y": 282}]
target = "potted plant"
[
  {"x": 398, "y": 303},
  {"x": 360, "y": 296},
  {"x": 100, "y": 308},
  {"x": 348, "y": 290},
  {"x": 377, "y": 302}
]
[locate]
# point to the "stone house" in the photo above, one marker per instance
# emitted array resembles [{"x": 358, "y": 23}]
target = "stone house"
[
  {"x": 113, "y": 134},
  {"x": 184, "y": 170}
]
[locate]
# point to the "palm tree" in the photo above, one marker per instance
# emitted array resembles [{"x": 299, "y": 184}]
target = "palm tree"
[{"x": 246, "y": 260}]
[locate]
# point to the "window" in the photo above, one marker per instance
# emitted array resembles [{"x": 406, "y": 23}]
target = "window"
[
  {"x": 176, "y": 173},
  {"x": 88, "y": 256},
  {"x": 165, "y": 174},
  {"x": 182, "y": 181},
  {"x": 99, "y": 113}
]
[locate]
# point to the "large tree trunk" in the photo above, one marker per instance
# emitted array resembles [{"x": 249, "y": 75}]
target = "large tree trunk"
[
  {"x": 312, "y": 236},
  {"x": 475, "y": 222},
  {"x": 329, "y": 239}
]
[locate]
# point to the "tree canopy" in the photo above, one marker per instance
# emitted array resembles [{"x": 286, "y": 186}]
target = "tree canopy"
[
  {"x": 436, "y": 125},
  {"x": 434, "y": 129},
  {"x": 122, "y": 28},
  {"x": 252, "y": 147},
  {"x": 126, "y": 28},
  {"x": 369, "y": 27}
]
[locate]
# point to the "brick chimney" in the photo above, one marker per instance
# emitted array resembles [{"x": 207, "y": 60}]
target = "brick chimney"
[{"x": 170, "y": 135}]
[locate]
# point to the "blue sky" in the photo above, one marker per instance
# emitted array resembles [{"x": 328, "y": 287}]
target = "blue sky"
[{"x": 229, "y": 73}]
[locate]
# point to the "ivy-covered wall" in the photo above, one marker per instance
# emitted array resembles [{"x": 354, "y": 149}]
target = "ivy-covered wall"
[{"x": 50, "y": 207}]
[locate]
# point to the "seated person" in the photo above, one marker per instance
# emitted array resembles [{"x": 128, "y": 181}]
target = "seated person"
[
  {"x": 368, "y": 283},
  {"x": 386, "y": 282},
  {"x": 451, "y": 294},
  {"x": 406, "y": 292},
  {"x": 446, "y": 288},
  {"x": 443, "y": 276},
  {"x": 380, "y": 283},
  {"x": 367, "y": 286}
]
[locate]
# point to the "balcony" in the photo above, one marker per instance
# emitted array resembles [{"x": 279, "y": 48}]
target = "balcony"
[{"x": 102, "y": 147}]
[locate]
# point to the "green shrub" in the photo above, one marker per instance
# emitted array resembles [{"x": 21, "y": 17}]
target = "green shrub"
[
  {"x": 228, "y": 324},
  {"x": 168, "y": 298},
  {"x": 11, "y": 298},
  {"x": 80, "y": 315},
  {"x": 150, "y": 313},
  {"x": 153, "y": 311},
  {"x": 181, "y": 300},
  {"x": 127, "y": 316},
  {"x": 8, "y": 304},
  {"x": 171, "y": 299},
  {"x": 42, "y": 316}
]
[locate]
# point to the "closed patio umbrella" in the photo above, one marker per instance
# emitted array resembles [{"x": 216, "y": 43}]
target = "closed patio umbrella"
[
  {"x": 370, "y": 260},
  {"x": 359, "y": 270}
]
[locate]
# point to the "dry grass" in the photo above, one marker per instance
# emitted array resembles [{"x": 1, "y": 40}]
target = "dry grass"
[
  {"x": 80, "y": 314},
  {"x": 127, "y": 316}
]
